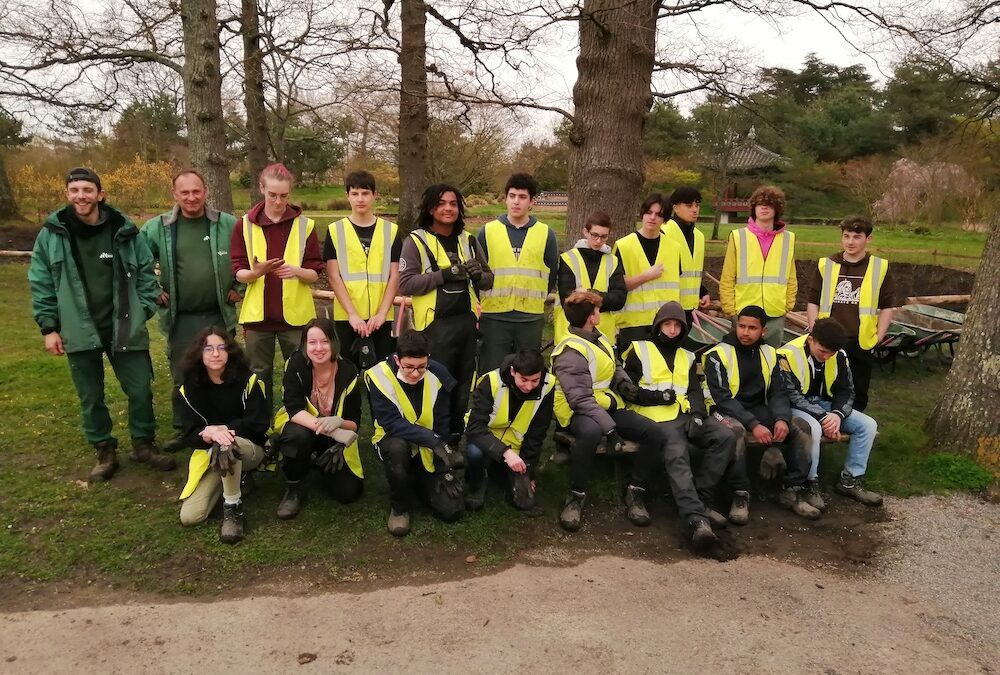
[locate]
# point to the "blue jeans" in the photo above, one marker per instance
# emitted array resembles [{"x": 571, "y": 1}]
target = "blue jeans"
[
  {"x": 475, "y": 466},
  {"x": 860, "y": 426}
]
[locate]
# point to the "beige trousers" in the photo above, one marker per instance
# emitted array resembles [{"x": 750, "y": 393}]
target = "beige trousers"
[{"x": 196, "y": 508}]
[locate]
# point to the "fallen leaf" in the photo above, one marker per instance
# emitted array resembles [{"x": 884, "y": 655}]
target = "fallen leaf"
[
  {"x": 82, "y": 484},
  {"x": 471, "y": 558},
  {"x": 306, "y": 657}
]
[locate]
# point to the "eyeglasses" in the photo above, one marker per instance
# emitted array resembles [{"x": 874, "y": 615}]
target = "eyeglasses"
[
  {"x": 413, "y": 369},
  {"x": 214, "y": 349},
  {"x": 598, "y": 237}
]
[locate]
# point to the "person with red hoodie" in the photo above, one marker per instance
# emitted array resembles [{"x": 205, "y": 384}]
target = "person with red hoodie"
[{"x": 276, "y": 253}]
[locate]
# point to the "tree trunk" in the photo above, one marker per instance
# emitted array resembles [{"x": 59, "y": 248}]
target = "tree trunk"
[
  {"x": 413, "y": 118},
  {"x": 965, "y": 419},
  {"x": 253, "y": 96},
  {"x": 8, "y": 206},
  {"x": 203, "y": 99},
  {"x": 611, "y": 98}
]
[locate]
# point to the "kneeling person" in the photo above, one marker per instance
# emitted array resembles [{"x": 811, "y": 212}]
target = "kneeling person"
[
  {"x": 511, "y": 412},
  {"x": 224, "y": 415},
  {"x": 410, "y": 398}
]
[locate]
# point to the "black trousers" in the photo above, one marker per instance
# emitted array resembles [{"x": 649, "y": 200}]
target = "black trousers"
[
  {"x": 297, "y": 446},
  {"x": 406, "y": 474},
  {"x": 453, "y": 345},
  {"x": 862, "y": 361},
  {"x": 795, "y": 450},
  {"x": 350, "y": 344},
  {"x": 693, "y": 484},
  {"x": 632, "y": 427}
]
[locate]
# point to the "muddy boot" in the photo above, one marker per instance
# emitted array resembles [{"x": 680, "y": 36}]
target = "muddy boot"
[
  {"x": 702, "y": 537},
  {"x": 476, "y": 499},
  {"x": 793, "y": 499},
  {"x": 107, "y": 461},
  {"x": 292, "y": 502},
  {"x": 572, "y": 512},
  {"x": 716, "y": 519},
  {"x": 144, "y": 451},
  {"x": 175, "y": 444},
  {"x": 231, "y": 530},
  {"x": 635, "y": 506},
  {"x": 813, "y": 495},
  {"x": 853, "y": 487},
  {"x": 398, "y": 524},
  {"x": 739, "y": 511},
  {"x": 521, "y": 494}
]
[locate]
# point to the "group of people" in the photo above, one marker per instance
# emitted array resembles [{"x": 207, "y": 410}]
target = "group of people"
[{"x": 619, "y": 371}]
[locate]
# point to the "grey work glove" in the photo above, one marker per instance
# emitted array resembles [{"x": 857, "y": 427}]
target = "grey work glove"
[
  {"x": 454, "y": 273},
  {"x": 450, "y": 455},
  {"x": 344, "y": 436},
  {"x": 327, "y": 425},
  {"x": 772, "y": 464},
  {"x": 449, "y": 483},
  {"x": 223, "y": 458},
  {"x": 332, "y": 459},
  {"x": 654, "y": 397},
  {"x": 614, "y": 444},
  {"x": 474, "y": 269},
  {"x": 628, "y": 391},
  {"x": 695, "y": 429}
]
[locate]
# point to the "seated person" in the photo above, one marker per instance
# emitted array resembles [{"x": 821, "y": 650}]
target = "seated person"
[
  {"x": 319, "y": 422},
  {"x": 410, "y": 397},
  {"x": 510, "y": 416},
  {"x": 817, "y": 376},
  {"x": 749, "y": 396},
  {"x": 669, "y": 393},
  {"x": 225, "y": 418},
  {"x": 587, "y": 400}
]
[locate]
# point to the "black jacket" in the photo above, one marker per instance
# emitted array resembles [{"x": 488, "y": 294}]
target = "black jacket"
[
  {"x": 478, "y": 432},
  {"x": 205, "y": 404},
  {"x": 298, "y": 384},
  {"x": 393, "y": 422},
  {"x": 751, "y": 393},
  {"x": 614, "y": 297},
  {"x": 841, "y": 398}
]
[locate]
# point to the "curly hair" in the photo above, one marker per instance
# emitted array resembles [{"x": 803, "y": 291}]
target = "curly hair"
[
  {"x": 193, "y": 366},
  {"x": 429, "y": 201},
  {"x": 768, "y": 195}
]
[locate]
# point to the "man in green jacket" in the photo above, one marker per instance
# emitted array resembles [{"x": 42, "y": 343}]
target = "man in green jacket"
[
  {"x": 92, "y": 291},
  {"x": 191, "y": 245}
]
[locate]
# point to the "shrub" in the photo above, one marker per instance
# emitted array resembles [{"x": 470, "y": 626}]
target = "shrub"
[{"x": 956, "y": 472}]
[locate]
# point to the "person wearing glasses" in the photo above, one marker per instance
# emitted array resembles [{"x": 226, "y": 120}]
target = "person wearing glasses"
[
  {"x": 224, "y": 417},
  {"x": 591, "y": 266}
]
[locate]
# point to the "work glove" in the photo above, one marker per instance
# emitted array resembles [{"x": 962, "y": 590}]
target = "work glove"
[
  {"x": 332, "y": 459},
  {"x": 772, "y": 464},
  {"x": 454, "y": 273},
  {"x": 449, "y": 483},
  {"x": 654, "y": 397},
  {"x": 344, "y": 436},
  {"x": 450, "y": 455},
  {"x": 223, "y": 458},
  {"x": 327, "y": 425},
  {"x": 614, "y": 444},
  {"x": 628, "y": 391},
  {"x": 474, "y": 269},
  {"x": 695, "y": 429}
]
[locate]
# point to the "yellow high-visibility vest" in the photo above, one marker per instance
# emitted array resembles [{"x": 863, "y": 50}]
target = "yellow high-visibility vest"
[
  {"x": 644, "y": 301},
  {"x": 511, "y": 431},
  {"x": 574, "y": 259},
  {"x": 658, "y": 377},
  {"x": 297, "y": 305},
  {"x": 425, "y": 305},
  {"x": 366, "y": 275},
  {"x": 602, "y": 368},
  {"x": 763, "y": 282},
  {"x": 692, "y": 264},
  {"x": 519, "y": 283},
  {"x": 727, "y": 354},
  {"x": 382, "y": 377},
  {"x": 871, "y": 287},
  {"x": 797, "y": 356}
]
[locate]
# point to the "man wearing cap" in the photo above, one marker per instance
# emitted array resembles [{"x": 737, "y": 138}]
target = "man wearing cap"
[{"x": 92, "y": 291}]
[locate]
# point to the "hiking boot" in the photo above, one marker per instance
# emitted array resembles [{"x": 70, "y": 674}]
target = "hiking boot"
[
  {"x": 793, "y": 498},
  {"x": 476, "y": 499},
  {"x": 739, "y": 510},
  {"x": 231, "y": 530},
  {"x": 107, "y": 461},
  {"x": 399, "y": 523},
  {"x": 702, "y": 537},
  {"x": 635, "y": 506},
  {"x": 521, "y": 493},
  {"x": 144, "y": 451},
  {"x": 176, "y": 443},
  {"x": 813, "y": 496},
  {"x": 292, "y": 502},
  {"x": 572, "y": 512},
  {"x": 716, "y": 519},
  {"x": 853, "y": 487}
]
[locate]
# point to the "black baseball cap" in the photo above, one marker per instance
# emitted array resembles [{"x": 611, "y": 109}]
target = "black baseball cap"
[{"x": 83, "y": 173}]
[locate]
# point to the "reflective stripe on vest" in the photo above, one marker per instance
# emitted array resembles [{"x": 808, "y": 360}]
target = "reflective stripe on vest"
[
  {"x": 871, "y": 288},
  {"x": 763, "y": 282},
  {"x": 382, "y": 377},
  {"x": 511, "y": 432},
  {"x": 425, "y": 305},
  {"x": 727, "y": 354},
  {"x": 658, "y": 377},
  {"x": 574, "y": 259},
  {"x": 644, "y": 301},
  {"x": 692, "y": 264},
  {"x": 297, "y": 306},
  {"x": 366, "y": 275},
  {"x": 795, "y": 353},
  {"x": 519, "y": 283},
  {"x": 601, "y": 365}
]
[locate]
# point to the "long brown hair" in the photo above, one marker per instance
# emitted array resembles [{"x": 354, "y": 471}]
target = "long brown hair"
[{"x": 193, "y": 367}]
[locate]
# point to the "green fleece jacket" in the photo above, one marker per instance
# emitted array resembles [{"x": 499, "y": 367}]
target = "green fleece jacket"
[
  {"x": 58, "y": 297},
  {"x": 159, "y": 234}
]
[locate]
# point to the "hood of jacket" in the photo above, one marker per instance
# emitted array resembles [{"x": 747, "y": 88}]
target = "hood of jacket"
[
  {"x": 584, "y": 247},
  {"x": 291, "y": 213},
  {"x": 57, "y": 222},
  {"x": 171, "y": 216}
]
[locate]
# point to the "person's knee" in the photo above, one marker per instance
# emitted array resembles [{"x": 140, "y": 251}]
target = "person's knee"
[
  {"x": 192, "y": 514},
  {"x": 394, "y": 451},
  {"x": 344, "y": 490},
  {"x": 449, "y": 510}
]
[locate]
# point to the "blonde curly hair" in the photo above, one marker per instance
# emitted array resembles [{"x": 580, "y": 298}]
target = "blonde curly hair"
[{"x": 769, "y": 195}]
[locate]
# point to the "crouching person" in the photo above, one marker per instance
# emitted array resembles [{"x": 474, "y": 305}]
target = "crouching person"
[
  {"x": 225, "y": 418},
  {"x": 668, "y": 392},
  {"x": 410, "y": 398},
  {"x": 587, "y": 400},
  {"x": 817, "y": 376},
  {"x": 318, "y": 423},
  {"x": 746, "y": 386},
  {"x": 511, "y": 413}
]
